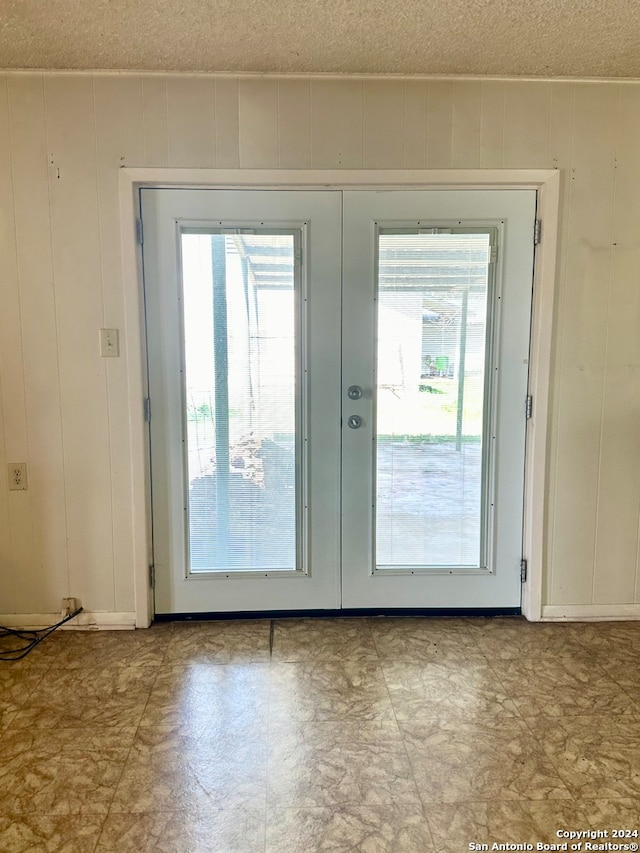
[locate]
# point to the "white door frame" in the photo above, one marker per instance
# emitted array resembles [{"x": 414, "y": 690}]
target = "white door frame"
[{"x": 546, "y": 182}]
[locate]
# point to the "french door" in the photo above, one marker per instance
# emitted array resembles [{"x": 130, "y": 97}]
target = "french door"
[{"x": 337, "y": 385}]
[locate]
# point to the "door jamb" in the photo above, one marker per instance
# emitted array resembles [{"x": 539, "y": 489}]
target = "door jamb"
[{"x": 547, "y": 184}]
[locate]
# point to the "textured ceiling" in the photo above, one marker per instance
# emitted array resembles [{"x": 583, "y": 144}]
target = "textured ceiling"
[{"x": 548, "y": 38}]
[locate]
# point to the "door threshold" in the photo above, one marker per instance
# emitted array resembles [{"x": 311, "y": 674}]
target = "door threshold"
[{"x": 427, "y": 612}]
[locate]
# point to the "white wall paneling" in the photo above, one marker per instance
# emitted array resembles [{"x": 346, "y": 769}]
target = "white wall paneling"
[
  {"x": 294, "y": 123},
  {"x": 119, "y": 142},
  {"x": 336, "y": 124},
  {"x": 70, "y": 415},
  {"x": 258, "y": 123}
]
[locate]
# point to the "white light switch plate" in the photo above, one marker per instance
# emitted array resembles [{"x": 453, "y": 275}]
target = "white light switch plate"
[{"x": 109, "y": 343}]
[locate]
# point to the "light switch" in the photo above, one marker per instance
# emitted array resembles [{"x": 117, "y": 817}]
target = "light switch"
[{"x": 109, "y": 343}]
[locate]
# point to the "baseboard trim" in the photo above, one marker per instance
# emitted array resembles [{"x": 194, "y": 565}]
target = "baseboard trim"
[
  {"x": 86, "y": 621},
  {"x": 590, "y": 612}
]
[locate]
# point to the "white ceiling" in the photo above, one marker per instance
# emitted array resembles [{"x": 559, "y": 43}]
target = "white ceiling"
[{"x": 547, "y": 38}]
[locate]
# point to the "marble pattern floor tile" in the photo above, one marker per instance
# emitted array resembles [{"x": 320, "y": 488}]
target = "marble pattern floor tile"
[
  {"x": 323, "y": 640},
  {"x": 61, "y": 771},
  {"x": 308, "y": 691},
  {"x": 598, "y": 757},
  {"x": 349, "y": 829},
  {"x": 616, "y": 814},
  {"x": 562, "y": 686},
  {"x": 166, "y": 770},
  {"x": 455, "y": 826},
  {"x": 227, "y": 641},
  {"x": 18, "y": 680},
  {"x": 42, "y": 654},
  {"x": 216, "y": 830},
  {"x": 35, "y": 833},
  {"x": 367, "y": 735},
  {"x": 113, "y": 695},
  {"x": 623, "y": 668},
  {"x": 458, "y": 761},
  {"x": 412, "y": 639},
  {"x": 445, "y": 687},
  {"x": 342, "y": 762},
  {"x": 195, "y": 696},
  {"x": 612, "y": 637},
  {"x": 6, "y": 718},
  {"x": 509, "y": 638},
  {"x": 100, "y": 649}
]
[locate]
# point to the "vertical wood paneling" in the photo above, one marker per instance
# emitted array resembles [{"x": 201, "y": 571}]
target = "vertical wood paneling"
[
  {"x": 155, "y": 121},
  {"x": 626, "y": 240},
  {"x": 586, "y": 285},
  {"x": 526, "y": 125},
  {"x": 465, "y": 131},
  {"x": 579, "y": 426},
  {"x": 561, "y": 116},
  {"x": 383, "y": 108},
  {"x": 190, "y": 122},
  {"x": 258, "y": 120},
  {"x": 561, "y": 112},
  {"x": 439, "y": 124},
  {"x": 414, "y": 124},
  {"x": 120, "y": 142},
  {"x": 15, "y": 416},
  {"x": 13, "y": 558},
  {"x": 227, "y": 127},
  {"x": 39, "y": 347},
  {"x": 627, "y": 200},
  {"x": 491, "y": 124},
  {"x": 619, "y": 480},
  {"x": 336, "y": 124},
  {"x": 78, "y": 281},
  {"x": 64, "y": 410},
  {"x": 294, "y": 124},
  {"x": 9, "y": 573}
]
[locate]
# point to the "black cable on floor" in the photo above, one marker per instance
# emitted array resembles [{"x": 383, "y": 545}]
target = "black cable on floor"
[{"x": 31, "y": 638}]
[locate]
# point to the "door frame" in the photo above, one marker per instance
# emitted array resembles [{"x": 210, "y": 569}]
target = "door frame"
[{"x": 547, "y": 184}]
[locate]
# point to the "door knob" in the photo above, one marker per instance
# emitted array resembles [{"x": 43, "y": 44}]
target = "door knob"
[
  {"x": 354, "y": 392},
  {"x": 354, "y": 421}
]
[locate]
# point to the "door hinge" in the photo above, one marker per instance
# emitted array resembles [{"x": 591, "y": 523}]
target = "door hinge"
[
  {"x": 147, "y": 409},
  {"x": 523, "y": 570},
  {"x": 493, "y": 255},
  {"x": 152, "y": 576},
  {"x": 537, "y": 231},
  {"x": 528, "y": 408},
  {"x": 139, "y": 231},
  {"x": 297, "y": 257}
]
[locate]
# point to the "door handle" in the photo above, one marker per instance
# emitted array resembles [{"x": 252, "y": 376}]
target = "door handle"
[{"x": 354, "y": 421}]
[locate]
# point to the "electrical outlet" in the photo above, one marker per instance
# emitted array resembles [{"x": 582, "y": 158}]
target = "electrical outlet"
[
  {"x": 69, "y": 606},
  {"x": 17, "y": 476},
  {"x": 109, "y": 343}
]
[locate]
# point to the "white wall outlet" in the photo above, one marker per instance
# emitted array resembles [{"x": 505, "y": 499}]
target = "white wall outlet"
[
  {"x": 109, "y": 343},
  {"x": 17, "y": 472}
]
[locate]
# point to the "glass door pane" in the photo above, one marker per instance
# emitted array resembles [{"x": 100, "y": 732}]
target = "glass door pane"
[
  {"x": 241, "y": 400},
  {"x": 432, "y": 391}
]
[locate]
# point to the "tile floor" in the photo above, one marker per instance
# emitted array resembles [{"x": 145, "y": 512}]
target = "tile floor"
[{"x": 373, "y": 735}]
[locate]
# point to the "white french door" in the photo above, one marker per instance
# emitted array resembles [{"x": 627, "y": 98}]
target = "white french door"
[
  {"x": 337, "y": 385},
  {"x": 436, "y": 322}
]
